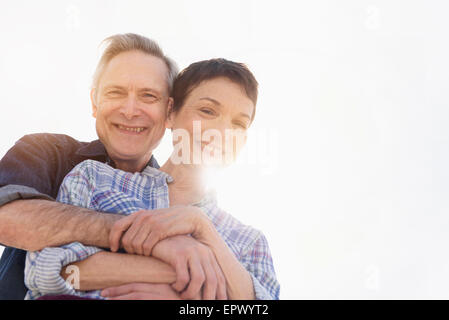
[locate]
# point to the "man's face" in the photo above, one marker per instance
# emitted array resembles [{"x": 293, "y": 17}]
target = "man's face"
[{"x": 130, "y": 105}]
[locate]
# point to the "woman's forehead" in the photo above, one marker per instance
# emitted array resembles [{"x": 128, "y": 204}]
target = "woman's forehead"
[{"x": 221, "y": 92}]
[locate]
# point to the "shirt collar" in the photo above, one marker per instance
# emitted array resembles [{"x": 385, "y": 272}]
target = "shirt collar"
[
  {"x": 96, "y": 149},
  {"x": 209, "y": 204},
  {"x": 154, "y": 172}
]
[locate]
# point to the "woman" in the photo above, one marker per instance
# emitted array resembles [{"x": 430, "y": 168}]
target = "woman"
[{"x": 214, "y": 105}]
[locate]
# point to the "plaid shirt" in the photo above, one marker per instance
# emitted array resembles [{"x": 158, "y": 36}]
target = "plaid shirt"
[{"x": 95, "y": 185}]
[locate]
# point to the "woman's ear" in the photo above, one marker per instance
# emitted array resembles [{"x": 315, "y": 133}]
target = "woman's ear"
[
  {"x": 169, "y": 119},
  {"x": 93, "y": 99}
]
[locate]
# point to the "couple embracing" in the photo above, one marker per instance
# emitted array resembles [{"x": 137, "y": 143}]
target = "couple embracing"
[{"x": 102, "y": 220}]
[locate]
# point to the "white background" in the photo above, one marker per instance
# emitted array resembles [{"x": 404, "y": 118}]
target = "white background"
[{"x": 350, "y": 183}]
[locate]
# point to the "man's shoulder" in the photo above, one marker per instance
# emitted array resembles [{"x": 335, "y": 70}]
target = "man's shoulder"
[
  {"x": 49, "y": 144},
  {"x": 51, "y": 138}
]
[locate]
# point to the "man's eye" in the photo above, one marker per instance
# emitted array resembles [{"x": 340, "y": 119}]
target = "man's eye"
[
  {"x": 149, "y": 98},
  {"x": 115, "y": 93}
]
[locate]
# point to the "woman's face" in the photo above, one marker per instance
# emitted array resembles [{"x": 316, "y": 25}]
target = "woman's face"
[{"x": 210, "y": 128}]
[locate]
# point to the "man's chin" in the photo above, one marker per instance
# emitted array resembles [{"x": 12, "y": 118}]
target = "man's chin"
[{"x": 123, "y": 154}]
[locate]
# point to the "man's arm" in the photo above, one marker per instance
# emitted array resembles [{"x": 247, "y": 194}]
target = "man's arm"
[
  {"x": 33, "y": 169},
  {"x": 35, "y": 224}
]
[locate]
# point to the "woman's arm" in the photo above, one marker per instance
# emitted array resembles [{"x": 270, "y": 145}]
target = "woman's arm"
[
  {"x": 252, "y": 277},
  {"x": 107, "y": 269},
  {"x": 239, "y": 283},
  {"x": 85, "y": 269}
]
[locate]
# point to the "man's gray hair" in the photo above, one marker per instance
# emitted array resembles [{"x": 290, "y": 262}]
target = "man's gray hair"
[{"x": 119, "y": 43}]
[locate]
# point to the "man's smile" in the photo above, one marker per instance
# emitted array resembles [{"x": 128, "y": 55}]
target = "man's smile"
[{"x": 129, "y": 130}]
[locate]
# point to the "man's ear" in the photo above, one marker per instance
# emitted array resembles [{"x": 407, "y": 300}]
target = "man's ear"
[
  {"x": 93, "y": 99},
  {"x": 170, "y": 114}
]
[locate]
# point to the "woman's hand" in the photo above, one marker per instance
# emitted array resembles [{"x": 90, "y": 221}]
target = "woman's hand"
[
  {"x": 141, "y": 291},
  {"x": 195, "y": 265},
  {"x": 143, "y": 229},
  {"x": 140, "y": 231},
  {"x": 165, "y": 234}
]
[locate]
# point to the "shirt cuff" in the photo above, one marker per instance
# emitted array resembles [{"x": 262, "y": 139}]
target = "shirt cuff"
[
  {"x": 43, "y": 269},
  {"x": 13, "y": 192},
  {"x": 260, "y": 291}
]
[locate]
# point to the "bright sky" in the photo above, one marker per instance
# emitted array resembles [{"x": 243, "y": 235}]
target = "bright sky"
[{"x": 346, "y": 171}]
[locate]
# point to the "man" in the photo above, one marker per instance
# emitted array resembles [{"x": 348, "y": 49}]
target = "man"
[{"x": 130, "y": 97}]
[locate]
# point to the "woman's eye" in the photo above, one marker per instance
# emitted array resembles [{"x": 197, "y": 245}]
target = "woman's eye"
[
  {"x": 208, "y": 111},
  {"x": 241, "y": 125}
]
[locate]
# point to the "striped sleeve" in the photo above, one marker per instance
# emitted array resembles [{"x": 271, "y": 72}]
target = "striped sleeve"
[
  {"x": 78, "y": 185},
  {"x": 43, "y": 268},
  {"x": 256, "y": 258}
]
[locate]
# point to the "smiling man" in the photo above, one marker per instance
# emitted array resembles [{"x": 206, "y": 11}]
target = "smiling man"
[{"x": 130, "y": 98}]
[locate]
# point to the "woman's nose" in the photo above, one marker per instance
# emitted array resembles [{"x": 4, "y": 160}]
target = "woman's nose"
[
  {"x": 226, "y": 131},
  {"x": 222, "y": 125}
]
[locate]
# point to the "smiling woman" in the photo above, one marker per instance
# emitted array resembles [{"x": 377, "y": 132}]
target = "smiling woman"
[{"x": 215, "y": 127}]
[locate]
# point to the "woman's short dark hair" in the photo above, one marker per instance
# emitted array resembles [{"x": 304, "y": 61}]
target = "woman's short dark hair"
[{"x": 189, "y": 78}]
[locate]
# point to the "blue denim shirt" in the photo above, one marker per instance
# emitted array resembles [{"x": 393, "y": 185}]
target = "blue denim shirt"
[{"x": 34, "y": 168}]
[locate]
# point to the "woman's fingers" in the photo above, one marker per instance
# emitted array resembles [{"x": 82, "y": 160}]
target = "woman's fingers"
[
  {"x": 197, "y": 278},
  {"x": 210, "y": 285},
  {"x": 124, "y": 289},
  {"x": 140, "y": 291},
  {"x": 221, "y": 280},
  {"x": 182, "y": 275}
]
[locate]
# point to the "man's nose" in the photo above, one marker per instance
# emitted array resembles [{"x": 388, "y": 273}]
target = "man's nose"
[{"x": 129, "y": 107}]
